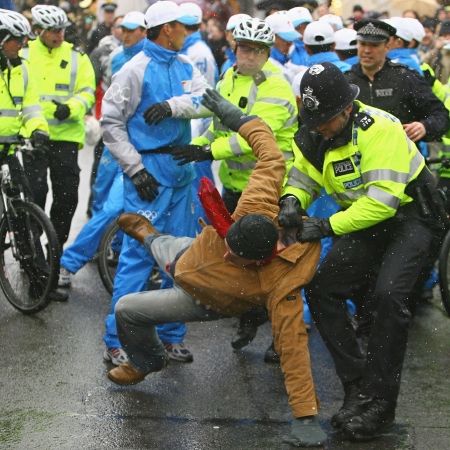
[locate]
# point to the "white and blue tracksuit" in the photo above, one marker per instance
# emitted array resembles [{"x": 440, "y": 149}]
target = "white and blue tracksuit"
[
  {"x": 299, "y": 56},
  {"x": 196, "y": 49},
  {"x": 154, "y": 75},
  {"x": 108, "y": 188},
  {"x": 407, "y": 57},
  {"x": 230, "y": 61},
  {"x": 108, "y": 166},
  {"x": 331, "y": 57}
]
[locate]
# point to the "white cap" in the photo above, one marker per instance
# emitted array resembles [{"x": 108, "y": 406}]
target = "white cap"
[
  {"x": 297, "y": 80},
  {"x": 299, "y": 15},
  {"x": 133, "y": 20},
  {"x": 403, "y": 28},
  {"x": 333, "y": 20},
  {"x": 235, "y": 19},
  {"x": 281, "y": 25},
  {"x": 417, "y": 29},
  {"x": 191, "y": 13},
  {"x": 318, "y": 33},
  {"x": 163, "y": 11},
  {"x": 345, "y": 39}
]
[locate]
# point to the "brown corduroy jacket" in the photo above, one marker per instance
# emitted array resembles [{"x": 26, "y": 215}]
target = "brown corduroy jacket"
[{"x": 232, "y": 290}]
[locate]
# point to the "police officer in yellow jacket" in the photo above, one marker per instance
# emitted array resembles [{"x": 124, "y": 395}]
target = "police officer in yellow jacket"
[
  {"x": 66, "y": 84},
  {"x": 390, "y": 216},
  {"x": 20, "y": 112},
  {"x": 259, "y": 88}
]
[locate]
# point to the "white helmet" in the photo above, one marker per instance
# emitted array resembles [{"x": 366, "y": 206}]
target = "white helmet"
[
  {"x": 49, "y": 16},
  {"x": 14, "y": 23},
  {"x": 254, "y": 30}
]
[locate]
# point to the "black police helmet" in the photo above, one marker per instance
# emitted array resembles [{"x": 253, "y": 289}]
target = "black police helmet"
[{"x": 325, "y": 92}]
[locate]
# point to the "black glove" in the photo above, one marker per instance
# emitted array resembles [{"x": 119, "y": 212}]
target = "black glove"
[
  {"x": 62, "y": 111},
  {"x": 146, "y": 185},
  {"x": 40, "y": 140},
  {"x": 314, "y": 229},
  {"x": 230, "y": 115},
  {"x": 290, "y": 215},
  {"x": 157, "y": 112},
  {"x": 190, "y": 153}
]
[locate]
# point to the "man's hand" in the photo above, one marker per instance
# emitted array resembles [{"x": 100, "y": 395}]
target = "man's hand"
[
  {"x": 314, "y": 229},
  {"x": 230, "y": 115},
  {"x": 191, "y": 153},
  {"x": 40, "y": 141},
  {"x": 290, "y": 215},
  {"x": 62, "y": 111},
  {"x": 415, "y": 130},
  {"x": 146, "y": 185},
  {"x": 157, "y": 112}
]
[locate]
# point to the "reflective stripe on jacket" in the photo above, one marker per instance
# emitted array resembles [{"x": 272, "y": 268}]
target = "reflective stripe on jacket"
[
  {"x": 267, "y": 95},
  {"x": 20, "y": 112},
  {"x": 367, "y": 176},
  {"x": 64, "y": 75}
]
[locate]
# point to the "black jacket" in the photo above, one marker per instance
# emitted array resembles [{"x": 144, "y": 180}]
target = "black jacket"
[{"x": 401, "y": 92}]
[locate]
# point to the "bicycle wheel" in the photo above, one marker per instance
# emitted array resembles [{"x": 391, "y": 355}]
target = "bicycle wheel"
[
  {"x": 444, "y": 273},
  {"x": 29, "y": 269},
  {"x": 108, "y": 255}
]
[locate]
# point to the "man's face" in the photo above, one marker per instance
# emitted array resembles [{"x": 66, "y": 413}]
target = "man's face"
[
  {"x": 116, "y": 30},
  {"x": 176, "y": 34},
  {"x": 282, "y": 45},
  {"x": 335, "y": 125},
  {"x": 12, "y": 47},
  {"x": 372, "y": 55},
  {"x": 131, "y": 37},
  {"x": 108, "y": 18},
  {"x": 429, "y": 37},
  {"x": 250, "y": 57},
  {"x": 53, "y": 38}
]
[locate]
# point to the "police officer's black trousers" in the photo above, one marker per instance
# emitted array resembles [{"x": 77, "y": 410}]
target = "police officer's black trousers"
[
  {"x": 62, "y": 160},
  {"x": 397, "y": 249}
]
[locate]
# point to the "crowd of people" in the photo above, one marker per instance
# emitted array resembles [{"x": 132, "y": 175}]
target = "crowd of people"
[{"x": 321, "y": 125}]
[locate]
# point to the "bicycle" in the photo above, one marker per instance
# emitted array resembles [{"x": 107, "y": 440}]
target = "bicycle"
[
  {"x": 29, "y": 248},
  {"x": 444, "y": 253}
]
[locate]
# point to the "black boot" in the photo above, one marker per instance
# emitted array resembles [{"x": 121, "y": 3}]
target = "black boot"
[
  {"x": 376, "y": 418},
  {"x": 248, "y": 326},
  {"x": 271, "y": 356},
  {"x": 354, "y": 403}
]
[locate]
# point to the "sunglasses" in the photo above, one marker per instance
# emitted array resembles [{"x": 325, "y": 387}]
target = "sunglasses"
[{"x": 247, "y": 49}]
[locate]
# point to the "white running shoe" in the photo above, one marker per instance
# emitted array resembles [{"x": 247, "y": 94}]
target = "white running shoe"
[
  {"x": 117, "y": 356},
  {"x": 65, "y": 278}
]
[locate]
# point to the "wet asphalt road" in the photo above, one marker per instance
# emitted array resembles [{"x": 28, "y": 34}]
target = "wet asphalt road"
[{"x": 54, "y": 393}]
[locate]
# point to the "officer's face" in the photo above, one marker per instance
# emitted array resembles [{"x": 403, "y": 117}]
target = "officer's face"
[
  {"x": 372, "y": 55},
  {"x": 12, "y": 46},
  {"x": 250, "y": 57},
  {"x": 53, "y": 38},
  {"x": 334, "y": 126}
]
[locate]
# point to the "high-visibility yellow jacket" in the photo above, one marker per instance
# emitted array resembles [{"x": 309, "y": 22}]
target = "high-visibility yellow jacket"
[
  {"x": 366, "y": 170},
  {"x": 267, "y": 95},
  {"x": 65, "y": 75},
  {"x": 20, "y": 111}
]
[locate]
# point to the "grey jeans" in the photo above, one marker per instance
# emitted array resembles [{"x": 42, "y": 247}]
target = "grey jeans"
[{"x": 137, "y": 314}]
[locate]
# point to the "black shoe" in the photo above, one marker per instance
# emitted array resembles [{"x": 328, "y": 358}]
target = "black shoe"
[
  {"x": 271, "y": 356},
  {"x": 354, "y": 403},
  {"x": 245, "y": 334},
  {"x": 58, "y": 296},
  {"x": 376, "y": 418}
]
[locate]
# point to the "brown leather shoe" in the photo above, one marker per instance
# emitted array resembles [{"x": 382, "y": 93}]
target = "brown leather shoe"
[
  {"x": 126, "y": 374},
  {"x": 136, "y": 226}
]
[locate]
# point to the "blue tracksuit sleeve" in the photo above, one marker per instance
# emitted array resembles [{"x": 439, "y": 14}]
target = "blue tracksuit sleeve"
[
  {"x": 188, "y": 105},
  {"x": 120, "y": 103}
]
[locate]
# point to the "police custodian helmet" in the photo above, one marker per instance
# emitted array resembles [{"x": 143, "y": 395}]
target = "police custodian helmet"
[{"x": 325, "y": 92}]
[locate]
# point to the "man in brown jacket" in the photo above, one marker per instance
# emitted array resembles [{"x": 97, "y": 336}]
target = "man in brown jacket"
[{"x": 217, "y": 278}]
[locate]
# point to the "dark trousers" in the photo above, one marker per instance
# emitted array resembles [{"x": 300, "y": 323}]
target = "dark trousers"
[
  {"x": 62, "y": 161},
  {"x": 396, "y": 251}
]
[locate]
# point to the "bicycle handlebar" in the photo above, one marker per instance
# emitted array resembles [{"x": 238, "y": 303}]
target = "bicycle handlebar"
[{"x": 439, "y": 160}]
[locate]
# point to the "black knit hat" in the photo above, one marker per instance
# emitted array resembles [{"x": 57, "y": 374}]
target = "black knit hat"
[
  {"x": 325, "y": 92},
  {"x": 253, "y": 237}
]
